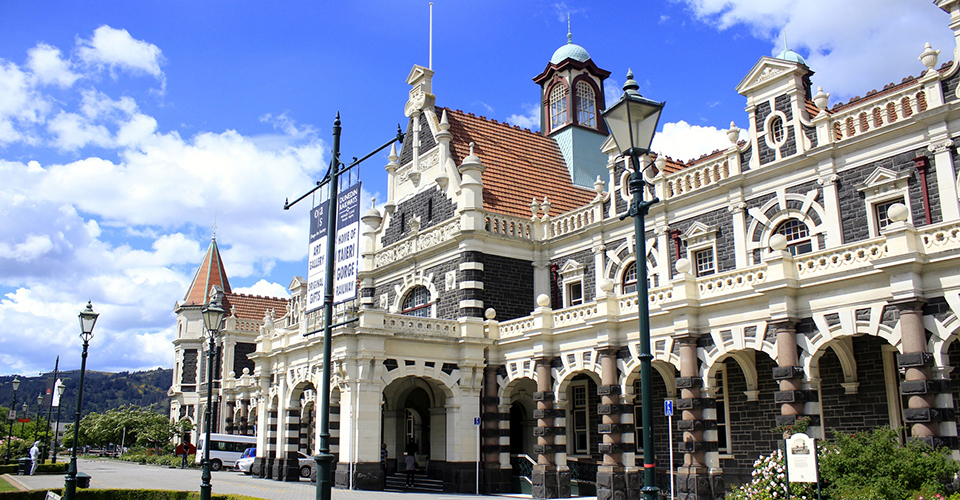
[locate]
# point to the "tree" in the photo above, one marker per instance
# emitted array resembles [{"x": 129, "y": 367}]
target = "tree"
[{"x": 142, "y": 426}]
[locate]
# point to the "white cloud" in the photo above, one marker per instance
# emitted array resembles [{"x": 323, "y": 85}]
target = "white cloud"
[
  {"x": 845, "y": 45},
  {"x": 530, "y": 120},
  {"x": 682, "y": 141},
  {"x": 264, "y": 288},
  {"x": 20, "y": 105},
  {"x": 48, "y": 67},
  {"x": 115, "y": 48}
]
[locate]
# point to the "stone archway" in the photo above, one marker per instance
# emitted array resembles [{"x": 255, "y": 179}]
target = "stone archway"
[{"x": 414, "y": 420}]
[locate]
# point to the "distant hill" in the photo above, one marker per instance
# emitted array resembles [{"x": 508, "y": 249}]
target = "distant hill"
[{"x": 101, "y": 391}]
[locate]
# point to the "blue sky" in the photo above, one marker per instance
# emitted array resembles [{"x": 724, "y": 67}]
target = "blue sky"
[{"x": 127, "y": 128}]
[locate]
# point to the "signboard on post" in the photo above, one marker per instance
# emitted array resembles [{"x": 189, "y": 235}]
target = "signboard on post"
[
  {"x": 348, "y": 245},
  {"x": 316, "y": 256},
  {"x": 801, "y": 459}
]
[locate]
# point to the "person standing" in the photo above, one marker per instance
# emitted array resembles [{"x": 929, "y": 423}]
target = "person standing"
[
  {"x": 383, "y": 461},
  {"x": 411, "y": 468},
  {"x": 181, "y": 451},
  {"x": 34, "y": 456}
]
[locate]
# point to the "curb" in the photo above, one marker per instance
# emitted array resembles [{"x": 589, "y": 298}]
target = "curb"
[{"x": 16, "y": 484}]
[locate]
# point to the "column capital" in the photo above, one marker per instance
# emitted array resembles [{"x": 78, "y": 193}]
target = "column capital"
[{"x": 910, "y": 304}]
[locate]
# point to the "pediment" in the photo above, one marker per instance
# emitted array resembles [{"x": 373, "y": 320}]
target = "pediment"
[
  {"x": 698, "y": 230},
  {"x": 767, "y": 70},
  {"x": 571, "y": 267},
  {"x": 882, "y": 178},
  {"x": 417, "y": 73},
  {"x": 296, "y": 283}
]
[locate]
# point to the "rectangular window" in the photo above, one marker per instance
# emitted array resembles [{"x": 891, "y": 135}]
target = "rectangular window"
[
  {"x": 637, "y": 419},
  {"x": 581, "y": 420},
  {"x": 880, "y": 211},
  {"x": 723, "y": 413},
  {"x": 705, "y": 264},
  {"x": 575, "y": 293}
]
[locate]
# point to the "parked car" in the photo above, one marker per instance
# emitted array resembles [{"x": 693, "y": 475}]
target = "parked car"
[
  {"x": 307, "y": 464},
  {"x": 245, "y": 461}
]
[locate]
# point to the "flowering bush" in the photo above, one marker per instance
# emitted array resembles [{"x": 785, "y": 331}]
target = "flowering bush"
[{"x": 769, "y": 480}]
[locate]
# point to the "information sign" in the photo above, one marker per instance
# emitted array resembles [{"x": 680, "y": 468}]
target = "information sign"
[
  {"x": 668, "y": 407},
  {"x": 801, "y": 459}
]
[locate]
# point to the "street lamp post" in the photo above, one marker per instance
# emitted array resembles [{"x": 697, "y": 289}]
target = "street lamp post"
[
  {"x": 212, "y": 316},
  {"x": 36, "y": 427},
  {"x": 632, "y": 121},
  {"x": 56, "y": 431},
  {"x": 10, "y": 418},
  {"x": 88, "y": 319},
  {"x": 26, "y": 416}
]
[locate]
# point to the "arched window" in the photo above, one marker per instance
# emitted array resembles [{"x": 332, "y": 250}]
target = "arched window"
[
  {"x": 416, "y": 302},
  {"x": 586, "y": 105},
  {"x": 776, "y": 128},
  {"x": 558, "y": 106},
  {"x": 797, "y": 234},
  {"x": 629, "y": 284}
]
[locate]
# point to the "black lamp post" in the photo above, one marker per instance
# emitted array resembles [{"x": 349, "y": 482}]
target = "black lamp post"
[
  {"x": 212, "y": 316},
  {"x": 632, "y": 121},
  {"x": 36, "y": 427},
  {"x": 11, "y": 418},
  {"x": 26, "y": 416},
  {"x": 56, "y": 432},
  {"x": 88, "y": 318}
]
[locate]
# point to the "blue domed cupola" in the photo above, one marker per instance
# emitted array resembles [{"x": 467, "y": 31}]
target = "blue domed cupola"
[{"x": 571, "y": 99}]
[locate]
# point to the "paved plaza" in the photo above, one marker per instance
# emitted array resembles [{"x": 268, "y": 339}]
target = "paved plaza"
[{"x": 116, "y": 474}]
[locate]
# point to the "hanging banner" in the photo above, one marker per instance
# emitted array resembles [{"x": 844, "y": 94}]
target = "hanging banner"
[
  {"x": 316, "y": 256},
  {"x": 56, "y": 392},
  {"x": 348, "y": 245}
]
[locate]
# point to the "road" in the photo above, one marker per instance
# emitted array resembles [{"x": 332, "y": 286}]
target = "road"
[{"x": 127, "y": 475}]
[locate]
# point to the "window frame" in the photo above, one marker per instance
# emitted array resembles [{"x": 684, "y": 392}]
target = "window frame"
[
  {"x": 426, "y": 306},
  {"x": 586, "y": 104},
  {"x": 776, "y": 121},
  {"x": 583, "y": 410},
  {"x": 723, "y": 412},
  {"x": 794, "y": 244},
  {"x": 559, "y": 106},
  {"x": 712, "y": 260}
]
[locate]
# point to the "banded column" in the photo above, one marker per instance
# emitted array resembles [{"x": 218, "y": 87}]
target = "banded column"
[
  {"x": 287, "y": 466},
  {"x": 790, "y": 396},
  {"x": 228, "y": 424},
  {"x": 920, "y": 414},
  {"x": 495, "y": 479},
  {"x": 270, "y": 456},
  {"x": 547, "y": 481},
  {"x": 611, "y": 476},
  {"x": 693, "y": 480}
]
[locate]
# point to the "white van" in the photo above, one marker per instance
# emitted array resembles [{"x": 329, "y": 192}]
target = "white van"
[{"x": 225, "y": 449}]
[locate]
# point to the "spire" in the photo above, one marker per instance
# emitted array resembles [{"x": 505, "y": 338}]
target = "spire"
[
  {"x": 569, "y": 33},
  {"x": 209, "y": 274}
]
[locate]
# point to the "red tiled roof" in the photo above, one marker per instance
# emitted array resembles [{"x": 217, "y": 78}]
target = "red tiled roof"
[
  {"x": 520, "y": 165},
  {"x": 253, "y": 307},
  {"x": 209, "y": 274}
]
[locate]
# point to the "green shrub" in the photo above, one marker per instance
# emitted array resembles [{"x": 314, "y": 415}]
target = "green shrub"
[
  {"x": 875, "y": 463},
  {"x": 51, "y": 468}
]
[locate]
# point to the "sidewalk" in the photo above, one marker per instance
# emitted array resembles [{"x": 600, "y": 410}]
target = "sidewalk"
[{"x": 106, "y": 474}]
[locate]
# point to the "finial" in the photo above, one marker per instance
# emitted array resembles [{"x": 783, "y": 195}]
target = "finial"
[
  {"x": 471, "y": 148},
  {"x": 214, "y": 227},
  {"x": 785, "y": 47},
  {"x": 631, "y": 85},
  {"x": 569, "y": 33},
  {"x": 373, "y": 203}
]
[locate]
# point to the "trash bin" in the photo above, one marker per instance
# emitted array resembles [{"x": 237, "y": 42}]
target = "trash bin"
[
  {"x": 83, "y": 480},
  {"x": 23, "y": 466}
]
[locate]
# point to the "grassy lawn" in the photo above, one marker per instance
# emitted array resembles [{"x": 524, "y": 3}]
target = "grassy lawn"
[{"x": 6, "y": 486}]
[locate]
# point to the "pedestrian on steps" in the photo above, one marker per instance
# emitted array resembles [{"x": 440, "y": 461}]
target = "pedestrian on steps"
[{"x": 411, "y": 468}]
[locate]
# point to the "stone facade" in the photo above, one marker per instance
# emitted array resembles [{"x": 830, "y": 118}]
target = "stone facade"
[{"x": 827, "y": 300}]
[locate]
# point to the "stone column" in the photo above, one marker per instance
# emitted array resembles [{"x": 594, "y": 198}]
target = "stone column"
[
  {"x": 611, "y": 479},
  {"x": 244, "y": 416},
  {"x": 790, "y": 396},
  {"x": 917, "y": 386},
  {"x": 287, "y": 466},
  {"x": 547, "y": 481},
  {"x": 228, "y": 424},
  {"x": 495, "y": 479},
  {"x": 693, "y": 480}
]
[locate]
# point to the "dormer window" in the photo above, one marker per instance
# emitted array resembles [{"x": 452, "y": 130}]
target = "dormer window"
[
  {"x": 586, "y": 105},
  {"x": 558, "y": 107}
]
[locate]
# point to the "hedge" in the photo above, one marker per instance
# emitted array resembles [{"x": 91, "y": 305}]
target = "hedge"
[
  {"x": 106, "y": 494},
  {"x": 57, "y": 468}
]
